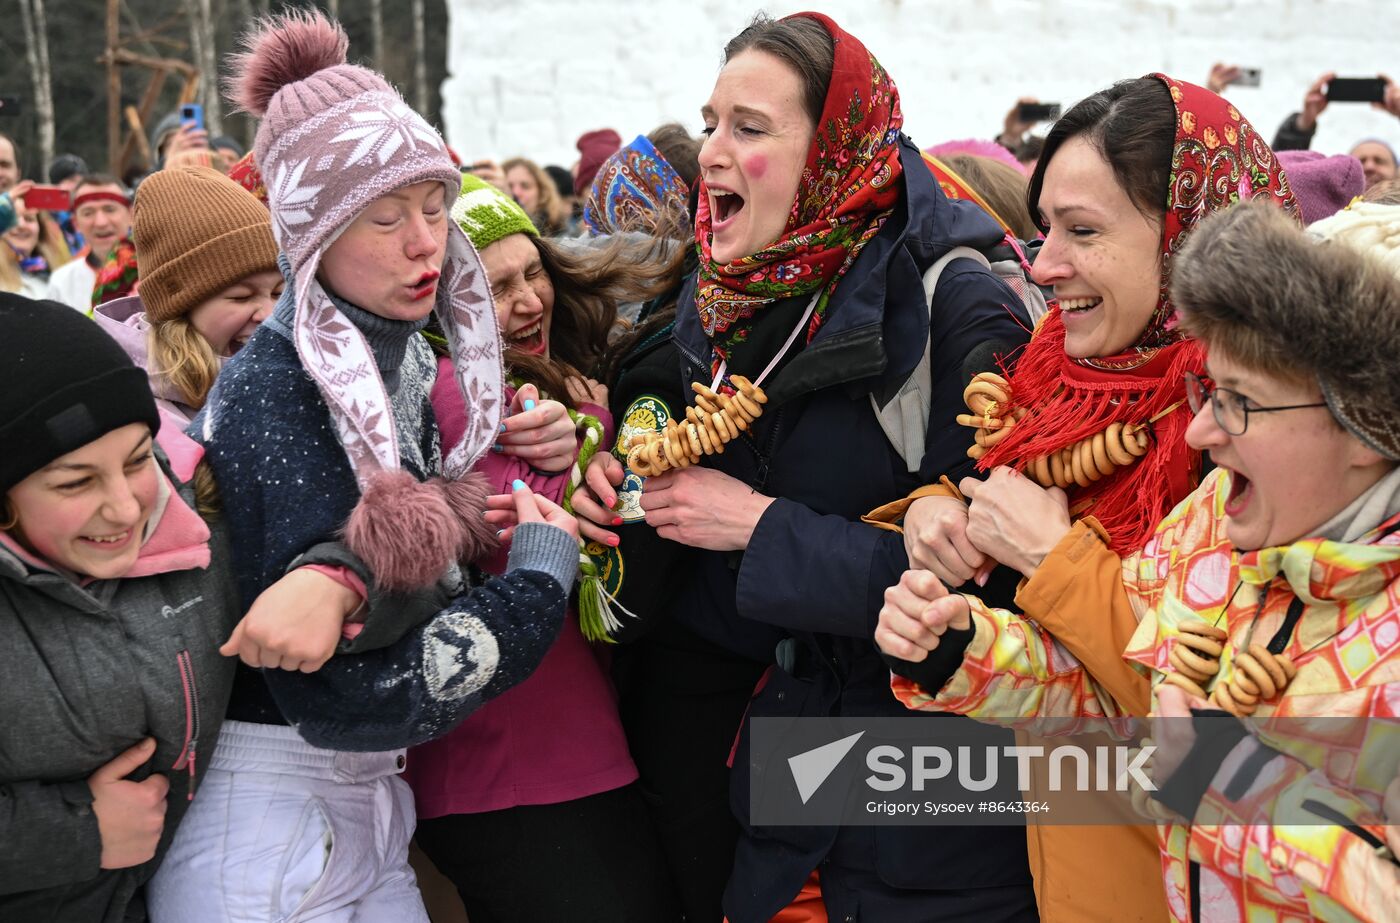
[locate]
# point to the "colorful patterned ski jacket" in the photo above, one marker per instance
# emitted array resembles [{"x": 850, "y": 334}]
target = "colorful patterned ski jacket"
[{"x": 1334, "y": 608}]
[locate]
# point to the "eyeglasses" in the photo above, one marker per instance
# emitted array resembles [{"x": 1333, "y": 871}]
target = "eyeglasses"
[{"x": 1230, "y": 408}]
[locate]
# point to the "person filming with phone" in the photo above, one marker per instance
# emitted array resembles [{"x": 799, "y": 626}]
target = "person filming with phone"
[
  {"x": 102, "y": 214},
  {"x": 1378, "y": 158},
  {"x": 180, "y": 130}
]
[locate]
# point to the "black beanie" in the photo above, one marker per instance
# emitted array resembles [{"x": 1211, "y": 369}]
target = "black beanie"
[{"x": 66, "y": 384}]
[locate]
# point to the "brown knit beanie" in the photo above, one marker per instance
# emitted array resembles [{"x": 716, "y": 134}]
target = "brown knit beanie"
[{"x": 197, "y": 232}]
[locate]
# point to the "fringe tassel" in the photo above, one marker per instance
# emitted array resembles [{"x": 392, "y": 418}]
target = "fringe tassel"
[
  {"x": 596, "y": 618},
  {"x": 1069, "y": 403}
]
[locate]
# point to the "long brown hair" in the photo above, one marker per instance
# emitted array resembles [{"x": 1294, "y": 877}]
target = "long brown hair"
[{"x": 588, "y": 287}]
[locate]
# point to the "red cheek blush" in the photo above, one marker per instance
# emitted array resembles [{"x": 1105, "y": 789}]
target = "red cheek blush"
[{"x": 756, "y": 166}]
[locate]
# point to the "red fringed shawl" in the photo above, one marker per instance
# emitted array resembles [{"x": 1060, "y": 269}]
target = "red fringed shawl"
[
  {"x": 1081, "y": 400},
  {"x": 1218, "y": 159}
]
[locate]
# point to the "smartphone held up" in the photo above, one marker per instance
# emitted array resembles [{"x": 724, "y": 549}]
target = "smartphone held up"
[
  {"x": 1247, "y": 77},
  {"x": 1038, "y": 112},
  {"x": 192, "y": 114},
  {"x": 47, "y": 199},
  {"x": 1356, "y": 90}
]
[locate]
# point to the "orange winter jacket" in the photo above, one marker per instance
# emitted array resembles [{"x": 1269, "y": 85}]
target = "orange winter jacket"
[
  {"x": 1078, "y": 595},
  {"x": 1094, "y": 873}
]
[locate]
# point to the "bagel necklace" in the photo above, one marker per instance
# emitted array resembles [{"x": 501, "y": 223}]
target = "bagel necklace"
[
  {"x": 1259, "y": 674},
  {"x": 714, "y": 420},
  {"x": 988, "y": 397}
]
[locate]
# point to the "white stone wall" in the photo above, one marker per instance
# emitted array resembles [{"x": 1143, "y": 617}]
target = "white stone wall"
[{"x": 529, "y": 76}]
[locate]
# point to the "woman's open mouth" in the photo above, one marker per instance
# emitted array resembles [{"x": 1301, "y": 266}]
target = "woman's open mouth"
[
  {"x": 528, "y": 339},
  {"x": 107, "y": 542},
  {"x": 425, "y": 286},
  {"x": 1075, "y": 307},
  {"x": 724, "y": 206},
  {"x": 1241, "y": 492}
]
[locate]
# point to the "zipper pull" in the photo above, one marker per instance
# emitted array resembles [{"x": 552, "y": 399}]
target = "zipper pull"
[
  {"x": 761, "y": 478},
  {"x": 190, "y": 754}
]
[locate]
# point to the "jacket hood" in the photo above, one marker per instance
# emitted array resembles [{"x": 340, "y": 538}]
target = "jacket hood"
[{"x": 124, "y": 320}]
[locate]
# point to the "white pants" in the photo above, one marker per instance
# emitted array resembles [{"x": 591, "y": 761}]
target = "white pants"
[{"x": 281, "y": 832}]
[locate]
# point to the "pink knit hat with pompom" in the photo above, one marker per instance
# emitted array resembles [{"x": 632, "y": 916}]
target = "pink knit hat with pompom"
[{"x": 335, "y": 137}]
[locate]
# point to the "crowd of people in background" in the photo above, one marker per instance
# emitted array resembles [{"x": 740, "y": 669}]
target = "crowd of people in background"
[{"x": 388, "y": 537}]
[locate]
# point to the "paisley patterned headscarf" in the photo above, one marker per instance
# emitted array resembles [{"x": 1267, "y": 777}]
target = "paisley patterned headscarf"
[
  {"x": 1218, "y": 159},
  {"x": 632, "y": 187},
  {"x": 848, "y": 188}
]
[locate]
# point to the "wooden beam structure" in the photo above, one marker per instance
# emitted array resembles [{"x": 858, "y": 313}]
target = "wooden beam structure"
[{"x": 136, "y": 118}]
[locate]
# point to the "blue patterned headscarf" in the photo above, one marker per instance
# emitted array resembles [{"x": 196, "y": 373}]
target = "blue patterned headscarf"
[{"x": 632, "y": 187}]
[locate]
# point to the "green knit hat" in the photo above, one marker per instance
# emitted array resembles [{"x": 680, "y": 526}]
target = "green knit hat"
[{"x": 486, "y": 214}]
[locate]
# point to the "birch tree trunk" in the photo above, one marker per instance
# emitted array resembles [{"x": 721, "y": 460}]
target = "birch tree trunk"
[
  {"x": 376, "y": 33},
  {"x": 36, "y": 40},
  {"x": 420, "y": 61},
  {"x": 246, "y": 14},
  {"x": 206, "y": 58}
]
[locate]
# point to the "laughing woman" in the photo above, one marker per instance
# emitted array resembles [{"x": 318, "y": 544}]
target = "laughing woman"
[
  {"x": 1125, "y": 177},
  {"x": 816, "y": 222},
  {"x": 114, "y": 596},
  {"x": 531, "y": 807},
  {"x": 1279, "y": 575}
]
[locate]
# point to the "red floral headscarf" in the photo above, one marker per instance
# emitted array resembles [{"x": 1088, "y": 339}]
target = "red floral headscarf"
[
  {"x": 1218, "y": 159},
  {"x": 245, "y": 173},
  {"x": 119, "y": 275},
  {"x": 847, "y": 190}
]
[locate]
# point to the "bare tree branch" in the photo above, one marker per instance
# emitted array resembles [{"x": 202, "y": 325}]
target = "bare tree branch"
[{"x": 206, "y": 58}]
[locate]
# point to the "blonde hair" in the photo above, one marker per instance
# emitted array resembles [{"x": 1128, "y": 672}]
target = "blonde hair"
[
  {"x": 1002, "y": 186},
  {"x": 198, "y": 158},
  {"x": 51, "y": 246},
  {"x": 179, "y": 357},
  {"x": 551, "y": 214}
]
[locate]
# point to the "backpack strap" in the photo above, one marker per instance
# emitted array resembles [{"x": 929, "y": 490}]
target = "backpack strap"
[{"x": 905, "y": 418}]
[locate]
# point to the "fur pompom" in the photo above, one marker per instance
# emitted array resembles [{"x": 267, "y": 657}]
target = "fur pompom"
[
  {"x": 467, "y": 500},
  {"x": 281, "y": 50},
  {"x": 404, "y": 530}
]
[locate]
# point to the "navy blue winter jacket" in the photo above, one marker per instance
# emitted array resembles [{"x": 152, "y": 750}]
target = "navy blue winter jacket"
[
  {"x": 812, "y": 572},
  {"x": 425, "y": 660}
]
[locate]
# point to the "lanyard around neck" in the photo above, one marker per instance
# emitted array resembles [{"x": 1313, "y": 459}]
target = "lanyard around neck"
[{"x": 792, "y": 338}]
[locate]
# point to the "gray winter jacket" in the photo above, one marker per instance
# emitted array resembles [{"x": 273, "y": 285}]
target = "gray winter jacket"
[{"x": 87, "y": 672}]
